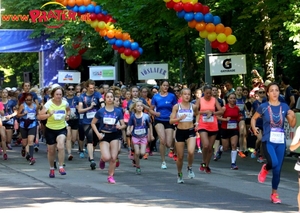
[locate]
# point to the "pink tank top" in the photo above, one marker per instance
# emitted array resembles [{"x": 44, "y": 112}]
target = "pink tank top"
[{"x": 209, "y": 124}]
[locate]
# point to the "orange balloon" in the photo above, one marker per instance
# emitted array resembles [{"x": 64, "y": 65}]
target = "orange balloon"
[
  {"x": 200, "y": 26},
  {"x": 71, "y": 3},
  {"x": 210, "y": 27},
  {"x": 79, "y": 2},
  {"x": 227, "y": 31},
  {"x": 220, "y": 28},
  {"x": 192, "y": 24},
  {"x": 102, "y": 33},
  {"x": 97, "y": 29},
  {"x": 119, "y": 34},
  {"x": 64, "y": 2},
  {"x": 86, "y": 2},
  {"x": 94, "y": 3},
  {"x": 110, "y": 34},
  {"x": 126, "y": 36}
]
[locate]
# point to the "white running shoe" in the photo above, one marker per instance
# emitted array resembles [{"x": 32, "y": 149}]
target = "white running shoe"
[
  {"x": 164, "y": 165},
  {"x": 191, "y": 174},
  {"x": 180, "y": 178}
]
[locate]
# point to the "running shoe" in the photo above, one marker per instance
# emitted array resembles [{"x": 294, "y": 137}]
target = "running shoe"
[
  {"x": 52, "y": 173},
  {"x": 241, "y": 154},
  {"x": 202, "y": 167},
  {"x": 219, "y": 153},
  {"x": 207, "y": 170},
  {"x": 117, "y": 162},
  {"x": 101, "y": 164},
  {"x": 23, "y": 152},
  {"x": 81, "y": 155},
  {"x": 8, "y": 146},
  {"x": 36, "y": 147},
  {"x": 171, "y": 154},
  {"x": 4, "y": 156},
  {"x": 138, "y": 171},
  {"x": 246, "y": 153},
  {"x": 297, "y": 165},
  {"x": 215, "y": 158},
  {"x": 175, "y": 157},
  {"x": 131, "y": 155},
  {"x": 180, "y": 178},
  {"x": 275, "y": 198},
  {"x": 234, "y": 166},
  {"x": 86, "y": 151},
  {"x": 55, "y": 165},
  {"x": 70, "y": 157},
  {"x": 253, "y": 154},
  {"x": 133, "y": 163},
  {"x": 260, "y": 160},
  {"x": 62, "y": 171},
  {"x": 27, "y": 156},
  {"x": 146, "y": 156},
  {"x": 164, "y": 165},
  {"x": 263, "y": 174},
  {"x": 32, "y": 161},
  {"x": 111, "y": 180},
  {"x": 191, "y": 174},
  {"x": 199, "y": 150},
  {"x": 93, "y": 165}
]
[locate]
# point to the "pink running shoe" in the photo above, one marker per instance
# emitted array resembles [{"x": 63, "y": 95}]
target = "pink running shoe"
[
  {"x": 275, "y": 198},
  {"x": 102, "y": 164},
  {"x": 263, "y": 174},
  {"x": 5, "y": 156},
  {"x": 117, "y": 162},
  {"x": 111, "y": 180}
]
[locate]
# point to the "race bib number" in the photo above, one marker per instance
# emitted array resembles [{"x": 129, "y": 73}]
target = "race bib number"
[
  {"x": 109, "y": 121},
  {"x": 277, "y": 135},
  {"x": 90, "y": 114},
  {"x": 31, "y": 115},
  {"x": 80, "y": 116},
  {"x": 139, "y": 131},
  {"x": 241, "y": 106},
  {"x": 73, "y": 110},
  {"x": 231, "y": 125},
  {"x": 206, "y": 119},
  {"x": 59, "y": 115}
]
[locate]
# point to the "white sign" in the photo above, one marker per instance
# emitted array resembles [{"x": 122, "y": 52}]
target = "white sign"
[
  {"x": 101, "y": 73},
  {"x": 153, "y": 71},
  {"x": 69, "y": 76},
  {"x": 227, "y": 65}
]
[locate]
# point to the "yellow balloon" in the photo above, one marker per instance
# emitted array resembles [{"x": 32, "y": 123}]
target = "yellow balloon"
[
  {"x": 231, "y": 39},
  {"x": 203, "y": 34},
  {"x": 176, "y": 1},
  {"x": 101, "y": 25},
  {"x": 194, "y": 1},
  {"x": 212, "y": 36},
  {"x": 130, "y": 59},
  {"x": 221, "y": 37},
  {"x": 186, "y": 1},
  {"x": 167, "y": 1},
  {"x": 123, "y": 56},
  {"x": 94, "y": 24}
]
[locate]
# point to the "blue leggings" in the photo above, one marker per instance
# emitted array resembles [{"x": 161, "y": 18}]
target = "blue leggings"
[{"x": 274, "y": 154}]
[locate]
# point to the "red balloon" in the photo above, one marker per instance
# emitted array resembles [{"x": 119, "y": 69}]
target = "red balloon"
[
  {"x": 93, "y": 16},
  {"x": 205, "y": 9},
  {"x": 188, "y": 7},
  {"x": 178, "y": 6},
  {"x": 136, "y": 53},
  {"x": 215, "y": 44},
  {"x": 223, "y": 47},
  {"x": 121, "y": 50},
  {"x": 127, "y": 52},
  {"x": 198, "y": 7},
  {"x": 170, "y": 4},
  {"x": 100, "y": 17},
  {"x": 82, "y": 51},
  {"x": 115, "y": 47},
  {"x": 74, "y": 61}
]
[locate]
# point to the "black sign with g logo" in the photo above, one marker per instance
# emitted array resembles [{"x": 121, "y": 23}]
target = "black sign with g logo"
[{"x": 227, "y": 64}]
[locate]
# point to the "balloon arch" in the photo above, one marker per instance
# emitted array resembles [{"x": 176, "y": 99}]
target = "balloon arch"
[{"x": 197, "y": 15}]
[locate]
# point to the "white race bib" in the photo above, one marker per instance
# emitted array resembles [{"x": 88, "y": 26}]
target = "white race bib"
[
  {"x": 140, "y": 131},
  {"x": 73, "y": 110},
  {"x": 231, "y": 125},
  {"x": 277, "y": 135},
  {"x": 59, "y": 115},
  {"x": 206, "y": 119},
  {"x": 109, "y": 121},
  {"x": 80, "y": 116},
  {"x": 90, "y": 114},
  {"x": 241, "y": 106},
  {"x": 31, "y": 115}
]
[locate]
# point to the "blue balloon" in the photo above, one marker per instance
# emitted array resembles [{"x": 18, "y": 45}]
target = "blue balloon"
[
  {"x": 112, "y": 41},
  {"x": 217, "y": 20},
  {"x": 104, "y": 12},
  {"x": 82, "y": 9},
  {"x": 127, "y": 44},
  {"x": 119, "y": 43},
  {"x": 106, "y": 38},
  {"x": 198, "y": 17},
  {"x": 75, "y": 8},
  {"x": 90, "y": 8},
  {"x": 208, "y": 18},
  {"x": 141, "y": 50},
  {"x": 134, "y": 46},
  {"x": 181, "y": 14},
  {"x": 69, "y": 7},
  {"x": 189, "y": 17},
  {"x": 98, "y": 9}
]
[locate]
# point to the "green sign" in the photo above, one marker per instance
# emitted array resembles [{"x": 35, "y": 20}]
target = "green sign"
[{"x": 108, "y": 73}]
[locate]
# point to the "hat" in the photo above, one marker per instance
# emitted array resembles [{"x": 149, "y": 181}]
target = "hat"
[
  {"x": 54, "y": 86},
  {"x": 14, "y": 89},
  {"x": 267, "y": 82},
  {"x": 8, "y": 88}
]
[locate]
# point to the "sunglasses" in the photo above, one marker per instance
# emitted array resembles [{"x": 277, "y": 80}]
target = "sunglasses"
[
  {"x": 28, "y": 100},
  {"x": 176, "y": 90},
  {"x": 261, "y": 92},
  {"x": 71, "y": 89}
]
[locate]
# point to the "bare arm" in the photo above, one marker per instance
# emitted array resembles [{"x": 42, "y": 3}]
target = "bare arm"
[
  {"x": 253, "y": 123},
  {"x": 296, "y": 140},
  {"x": 291, "y": 118}
]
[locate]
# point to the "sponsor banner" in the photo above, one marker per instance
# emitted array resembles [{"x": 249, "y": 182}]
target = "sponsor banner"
[
  {"x": 153, "y": 71},
  {"x": 227, "y": 65},
  {"x": 69, "y": 77},
  {"x": 102, "y": 73}
]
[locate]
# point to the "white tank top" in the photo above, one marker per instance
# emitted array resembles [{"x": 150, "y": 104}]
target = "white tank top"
[{"x": 188, "y": 112}]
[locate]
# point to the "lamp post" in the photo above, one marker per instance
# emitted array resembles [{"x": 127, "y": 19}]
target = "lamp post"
[{"x": 180, "y": 68}]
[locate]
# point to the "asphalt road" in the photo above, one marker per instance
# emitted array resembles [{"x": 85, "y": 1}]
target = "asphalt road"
[{"x": 26, "y": 188}]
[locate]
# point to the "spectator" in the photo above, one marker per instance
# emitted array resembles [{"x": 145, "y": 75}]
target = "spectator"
[{"x": 288, "y": 94}]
